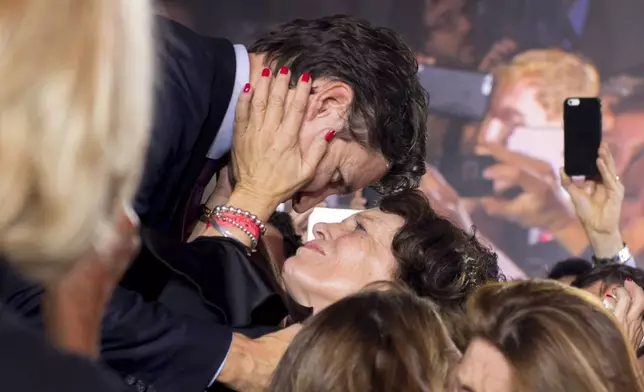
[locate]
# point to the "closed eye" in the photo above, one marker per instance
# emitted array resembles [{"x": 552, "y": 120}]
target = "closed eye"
[{"x": 359, "y": 227}]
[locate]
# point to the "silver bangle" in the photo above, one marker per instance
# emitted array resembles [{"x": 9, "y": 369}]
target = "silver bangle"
[
  {"x": 230, "y": 235},
  {"x": 253, "y": 239}
]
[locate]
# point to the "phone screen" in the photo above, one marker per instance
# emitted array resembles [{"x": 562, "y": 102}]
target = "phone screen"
[{"x": 582, "y": 136}]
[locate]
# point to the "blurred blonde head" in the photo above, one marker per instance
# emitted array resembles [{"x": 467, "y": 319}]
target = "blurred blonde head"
[
  {"x": 75, "y": 109},
  {"x": 381, "y": 339},
  {"x": 555, "y": 338},
  {"x": 557, "y": 74}
]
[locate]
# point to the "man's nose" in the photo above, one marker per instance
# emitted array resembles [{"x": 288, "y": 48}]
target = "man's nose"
[{"x": 491, "y": 131}]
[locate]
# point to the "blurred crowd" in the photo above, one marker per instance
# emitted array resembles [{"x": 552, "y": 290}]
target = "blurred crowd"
[{"x": 156, "y": 185}]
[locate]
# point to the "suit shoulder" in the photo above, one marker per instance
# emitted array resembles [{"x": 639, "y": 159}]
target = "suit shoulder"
[{"x": 29, "y": 363}]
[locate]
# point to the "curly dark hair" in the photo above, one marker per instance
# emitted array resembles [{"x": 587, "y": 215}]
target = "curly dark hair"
[
  {"x": 388, "y": 99},
  {"x": 436, "y": 259}
]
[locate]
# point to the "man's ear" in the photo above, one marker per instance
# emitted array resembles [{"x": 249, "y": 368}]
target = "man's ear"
[{"x": 329, "y": 98}]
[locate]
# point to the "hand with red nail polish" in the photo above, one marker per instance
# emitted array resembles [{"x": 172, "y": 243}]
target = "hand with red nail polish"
[
  {"x": 628, "y": 309},
  {"x": 269, "y": 162}
]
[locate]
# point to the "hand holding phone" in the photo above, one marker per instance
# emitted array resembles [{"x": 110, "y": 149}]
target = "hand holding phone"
[{"x": 582, "y": 136}]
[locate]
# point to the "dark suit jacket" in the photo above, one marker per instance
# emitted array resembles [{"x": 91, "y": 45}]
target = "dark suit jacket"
[
  {"x": 209, "y": 279},
  {"x": 195, "y": 81},
  {"x": 28, "y": 363},
  {"x": 195, "y": 86},
  {"x": 149, "y": 346}
]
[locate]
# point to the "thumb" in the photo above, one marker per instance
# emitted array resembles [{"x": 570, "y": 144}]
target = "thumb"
[
  {"x": 318, "y": 148},
  {"x": 569, "y": 185}
]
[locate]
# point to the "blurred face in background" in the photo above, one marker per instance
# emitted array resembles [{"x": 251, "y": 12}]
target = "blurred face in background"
[
  {"x": 515, "y": 106},
  {"x": 449, "y": 30}
]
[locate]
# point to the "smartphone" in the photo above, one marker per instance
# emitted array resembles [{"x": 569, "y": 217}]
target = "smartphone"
[
  {"x": 582, "y": 136},
  {"x": 458, "y": 93}
]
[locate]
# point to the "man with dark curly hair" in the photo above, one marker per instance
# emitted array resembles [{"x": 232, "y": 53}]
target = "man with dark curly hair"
[{"x": 365, "y": 87}]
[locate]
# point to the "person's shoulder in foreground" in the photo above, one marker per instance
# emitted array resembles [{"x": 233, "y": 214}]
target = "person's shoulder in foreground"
[{"x": 28, "y": 363}]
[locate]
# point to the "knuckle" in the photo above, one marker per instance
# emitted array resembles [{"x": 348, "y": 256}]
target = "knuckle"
[
  {"x": 241, "y": 117},
  {"x": 298, "y": 105},
  {"x": 276, "y": 100},
  {"x": 259, "y": 104}
]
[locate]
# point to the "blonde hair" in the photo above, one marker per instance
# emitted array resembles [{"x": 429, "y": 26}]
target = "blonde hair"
[
  {"x": 556, "y": 74},
  {"x": 556, "y": 338},
  {"x": 75, "y": 110}
]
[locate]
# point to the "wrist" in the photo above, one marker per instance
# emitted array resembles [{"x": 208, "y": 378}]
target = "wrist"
[
  {"x": 262, "y": 206},
  {"x": 239, "y": 363},
  {"x": 605, "y": 245}
]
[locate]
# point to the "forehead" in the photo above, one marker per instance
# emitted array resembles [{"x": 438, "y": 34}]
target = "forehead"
[
  {"x": 484, "y": 368},
  {"x": 519, "y": 98},
  {"x": 375, "y": 217}
]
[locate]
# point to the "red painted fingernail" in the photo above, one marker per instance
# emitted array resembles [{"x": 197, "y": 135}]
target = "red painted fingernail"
[
  {"x": 329, "y": 135},
  {"x": 284, "y": 70},
  {"x": 247, "y": 87},
  {"x": 306, "y": 77},
  {"x": 629, "y": 279},
  {"x": 266, "y": 72}
]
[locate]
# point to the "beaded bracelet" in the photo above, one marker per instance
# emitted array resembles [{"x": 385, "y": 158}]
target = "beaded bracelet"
[
  {"x": 222, "y": 217},
  {"x": 221, "y": 223},
  {"x": 238, "y": 211}
]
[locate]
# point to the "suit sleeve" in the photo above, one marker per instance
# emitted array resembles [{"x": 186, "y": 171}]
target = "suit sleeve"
[{"x": 144, "y": 342}]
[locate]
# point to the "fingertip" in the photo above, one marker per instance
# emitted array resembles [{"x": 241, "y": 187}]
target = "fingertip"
[
  {"x": 330, "y": 135},
  {"x": 306, "y": 77},
  {"x": 246, "y": 88}
]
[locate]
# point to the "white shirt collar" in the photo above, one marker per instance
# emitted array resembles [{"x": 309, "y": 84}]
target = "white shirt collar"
[{"x": 224, "y": 139}]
